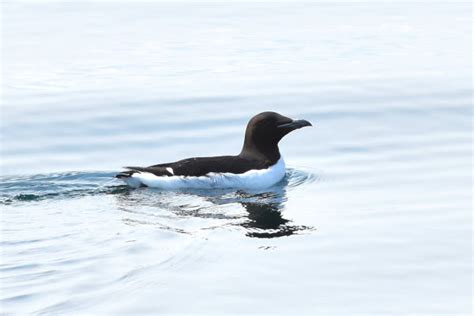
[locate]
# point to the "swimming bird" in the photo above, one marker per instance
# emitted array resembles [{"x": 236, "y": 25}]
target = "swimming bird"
[{"x": 259, "y": 164}]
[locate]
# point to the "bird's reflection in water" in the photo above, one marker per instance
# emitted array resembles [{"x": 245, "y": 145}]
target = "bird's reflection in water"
[
  {"x": 259, "y": 213},
  {"x": 266, "y": 221}
]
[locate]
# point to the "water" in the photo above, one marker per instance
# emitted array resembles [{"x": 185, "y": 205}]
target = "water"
[{"x": 373, "y": 216}]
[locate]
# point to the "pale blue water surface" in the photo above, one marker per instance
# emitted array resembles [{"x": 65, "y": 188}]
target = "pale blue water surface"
[{"x": 373, "y": 217}]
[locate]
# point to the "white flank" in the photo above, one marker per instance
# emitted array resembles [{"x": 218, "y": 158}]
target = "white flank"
[
  {"x": 170, "y": 170},
  {"x": 252, "y": 179}
]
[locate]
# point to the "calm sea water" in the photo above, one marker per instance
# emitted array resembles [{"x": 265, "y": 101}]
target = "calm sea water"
[{"x": 373, "y": 217}]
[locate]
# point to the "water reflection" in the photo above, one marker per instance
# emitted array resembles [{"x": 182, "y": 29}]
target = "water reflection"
[
  {"x": 266, "y": 221},
  {"x": 258, "y": 213}
]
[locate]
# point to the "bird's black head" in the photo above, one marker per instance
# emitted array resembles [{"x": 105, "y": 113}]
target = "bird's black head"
[{"x": 266, "y": 129}]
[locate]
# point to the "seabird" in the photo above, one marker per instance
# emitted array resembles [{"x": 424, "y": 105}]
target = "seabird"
[{"x": 259, "y": 165}]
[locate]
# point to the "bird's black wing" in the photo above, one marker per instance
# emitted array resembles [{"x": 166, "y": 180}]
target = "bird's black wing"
[{"x": 201, "y": 166}]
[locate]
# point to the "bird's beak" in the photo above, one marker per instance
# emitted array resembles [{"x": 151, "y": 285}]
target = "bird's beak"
[{"x": 295, "y": 124}]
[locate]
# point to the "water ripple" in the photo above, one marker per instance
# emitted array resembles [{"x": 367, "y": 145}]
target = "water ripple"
[{"x": 259, "y": 213}]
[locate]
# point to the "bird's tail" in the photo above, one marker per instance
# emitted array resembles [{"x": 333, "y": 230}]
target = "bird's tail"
[
  {"x": 131, "y": 171},
  {"x": 125, "y": 174},
  {"x": 127, "y": 177}
]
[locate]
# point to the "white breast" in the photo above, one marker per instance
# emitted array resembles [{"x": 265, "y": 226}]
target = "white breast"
[{"x": 252, "y": 179}]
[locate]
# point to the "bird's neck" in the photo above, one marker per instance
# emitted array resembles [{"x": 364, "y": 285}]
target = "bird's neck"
[{"x": 267, "y": 151}]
